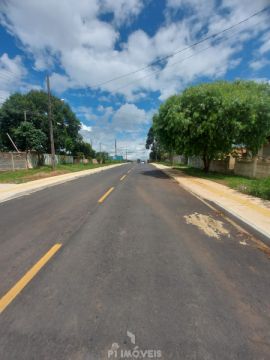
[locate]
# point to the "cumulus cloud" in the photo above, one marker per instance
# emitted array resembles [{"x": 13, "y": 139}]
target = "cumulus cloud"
[
  {"x": 123, "y": 11},
  {"x": 129, "y": 117},
  {"x": 265, "y": 47},
  {"x": 12, "y": 73},
  {"x": 75, "y": 37},
  {"x": 259, "y": 64},
  {"x": 126, "y": 124},
  {"x": 86, "y": 128}
]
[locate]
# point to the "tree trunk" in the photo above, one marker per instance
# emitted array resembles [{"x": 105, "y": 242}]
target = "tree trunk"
[
  {"x": 171, "y": 157},
  {"x": 206, "y": 163}
]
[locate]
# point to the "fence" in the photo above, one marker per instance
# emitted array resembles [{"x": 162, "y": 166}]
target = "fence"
[
  {"x": 253, "y": 168},
  {"x": 59, "y": 159},
  {"x": 179, "y": 159},
  {"x": 23, "y": 160},
  {"x": 257, "y": 167},
  {"x": 13, "y": 161},
  {"x": 224, "y": 166},
  {"x": 195, "y": 161}
]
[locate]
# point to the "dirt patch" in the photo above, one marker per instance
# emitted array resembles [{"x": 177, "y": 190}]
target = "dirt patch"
[
  {"x": 206, "y": 223},
  {"x": 43, "y": 175}
]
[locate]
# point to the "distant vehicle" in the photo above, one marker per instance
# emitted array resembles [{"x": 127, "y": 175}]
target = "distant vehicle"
[{"x": 142, "y": 162}]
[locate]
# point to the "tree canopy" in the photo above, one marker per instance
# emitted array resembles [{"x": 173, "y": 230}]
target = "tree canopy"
[
  {"x": 81, "y": 147},
  {"x": 209, "y": 119},
  {"x": 34, "y": 106},
  {"x": 27, "y": 137},
  {"x": 152, "y": 144}
]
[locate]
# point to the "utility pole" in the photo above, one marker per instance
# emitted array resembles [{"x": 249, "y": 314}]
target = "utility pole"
[
  {"x": 115, "y": 149},
  {"x": 12, "y": 142},
  {"x": 24, "y": 113},
  {"x": 50, "y": 123},
  {"x": 100, "y": 159},
  {"x": 126, "y": 154}
]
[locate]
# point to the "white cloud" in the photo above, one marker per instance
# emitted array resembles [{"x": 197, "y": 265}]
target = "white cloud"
[
  {"x": 201, "y": 8},
  {"x": 123, "y": 10},
  {"x": 265, "y": 47},
  {"x": 86, "y": 113},
  {"x": 12, "y": 72},
  {"x": 60, "y": 83},
  {"x": 86, "y": 128},
  {"x": 129, "y": 117},
  {"x": 127, "y": 122},
  {"x": 259, "y": 63},
  {"x": 73, "y": 36}
]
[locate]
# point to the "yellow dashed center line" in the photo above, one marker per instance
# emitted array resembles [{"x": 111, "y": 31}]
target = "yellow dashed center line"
[
  {"x": 18, "y": 287},
  {"x": 105, "y": 195}
]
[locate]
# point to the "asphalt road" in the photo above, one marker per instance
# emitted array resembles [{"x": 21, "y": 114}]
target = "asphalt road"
[{"x": 129, "y": 263}]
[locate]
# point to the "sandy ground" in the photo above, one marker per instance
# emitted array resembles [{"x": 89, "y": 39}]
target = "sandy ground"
[
  {"x": 253, "y": 211},
  {"x": 7, "y": 186},
  {"x": 210, "y": 226}
]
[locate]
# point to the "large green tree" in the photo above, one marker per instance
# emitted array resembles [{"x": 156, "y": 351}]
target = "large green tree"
[
  {"x": 34, "y": 106},
  {"x": 81, "y": 147},
  {"x": 207, "y": 120},
  {"x": 152, "y": 144},
  {"x": 27, "y": 137}
]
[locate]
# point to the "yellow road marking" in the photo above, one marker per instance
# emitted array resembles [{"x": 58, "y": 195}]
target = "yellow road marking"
[
  {"x": 107, "y": 193},
  {"x": 122, "y": 178},
  {"x": 18, "y": 287}
]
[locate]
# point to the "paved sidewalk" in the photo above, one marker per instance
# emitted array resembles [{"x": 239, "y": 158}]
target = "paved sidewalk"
[
  {"x": 11, "y": 191},
  {"x": 253, "y": 211}
]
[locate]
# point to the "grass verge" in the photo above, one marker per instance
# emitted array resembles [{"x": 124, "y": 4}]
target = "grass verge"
[
  {"x": 254, "y": 187},
  {"x": 21, "y": 176}
]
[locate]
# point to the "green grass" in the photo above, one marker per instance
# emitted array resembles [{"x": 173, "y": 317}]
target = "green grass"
[
  {"x": 254, "y": 187},
  {"x": 21, "y": 176}
]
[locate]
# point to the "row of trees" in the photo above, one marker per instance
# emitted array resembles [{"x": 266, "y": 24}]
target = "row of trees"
[
  {"x": 24, "y": 117},
  {"x": 211, "y": 119}
]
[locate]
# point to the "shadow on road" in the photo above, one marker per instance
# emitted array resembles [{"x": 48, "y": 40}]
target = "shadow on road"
[{"x": 155, "y": 173}]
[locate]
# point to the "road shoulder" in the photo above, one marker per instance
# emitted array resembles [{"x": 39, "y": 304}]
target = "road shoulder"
[
  {"x": 252, "y": 211},
  {"x": 11, "y": 191}
]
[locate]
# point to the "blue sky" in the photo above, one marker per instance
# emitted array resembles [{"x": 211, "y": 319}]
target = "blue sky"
[{"x": 83, "y": 44}]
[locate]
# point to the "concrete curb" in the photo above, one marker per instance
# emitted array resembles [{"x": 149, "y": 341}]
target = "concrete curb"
[{"x": 37, "y": 185}]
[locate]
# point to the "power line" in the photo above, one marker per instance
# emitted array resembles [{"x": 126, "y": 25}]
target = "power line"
[
  {"x": 160, "y": 59},
  {"x": 4, "y": 77},
  {"x": 170, "y": 65},
  {"x": 157, "y": 71},
  {"x": 182, "y": 49},
  {"x": 8, "y": 73}
]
